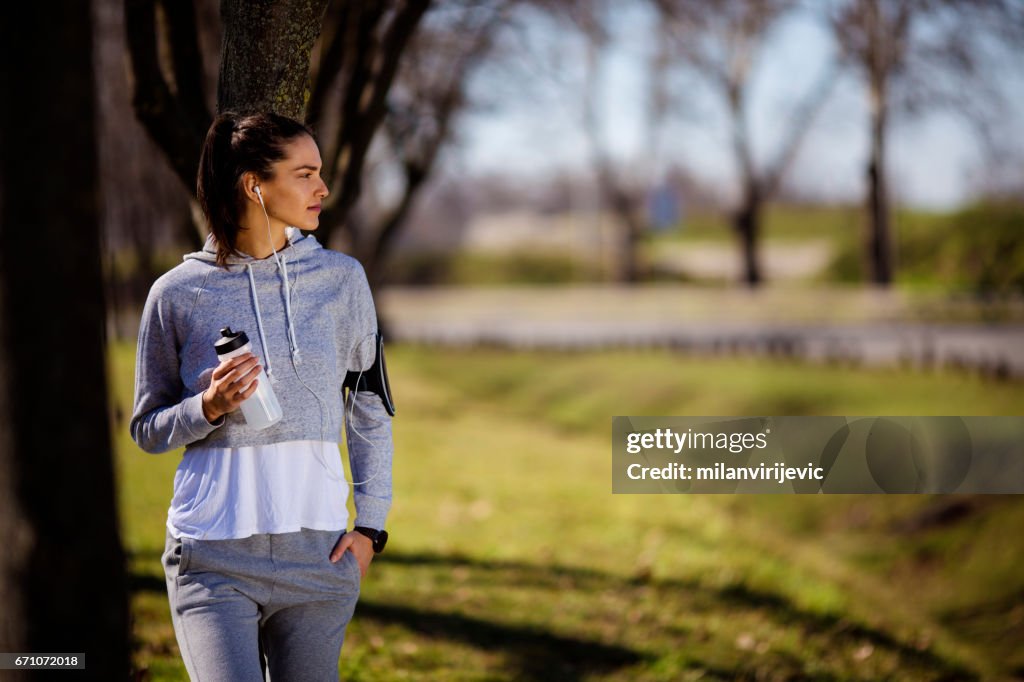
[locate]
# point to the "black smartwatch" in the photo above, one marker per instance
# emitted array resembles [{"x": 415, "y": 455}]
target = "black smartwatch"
[{"x": 379, "y": 537}]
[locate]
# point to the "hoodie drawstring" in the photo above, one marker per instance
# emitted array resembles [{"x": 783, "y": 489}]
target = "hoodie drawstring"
[
  {"x": 293, "y": 342},
  {"x": 259, "y": 323},
  {"x": 292, "y": 339}
]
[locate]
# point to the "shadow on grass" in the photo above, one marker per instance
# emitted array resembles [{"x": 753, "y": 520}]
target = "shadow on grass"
[
  {"x": 779, "y": 608},
  {"x": 784, "y": 611},
  {"x": 535, "y": 654},
  {"x": 146, "y": 583},
  {"x": 998, "y": 622},
  {"x": 538, "y": 654}
]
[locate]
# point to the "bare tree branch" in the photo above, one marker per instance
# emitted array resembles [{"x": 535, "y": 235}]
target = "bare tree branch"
[
  {"x": 626, "y": 204},
  {"x": 365, "y": 111},
  {"x": 178, "y": 129},
  {"x": 799, "y": 125},
  {"x": 429, "y": 93}
]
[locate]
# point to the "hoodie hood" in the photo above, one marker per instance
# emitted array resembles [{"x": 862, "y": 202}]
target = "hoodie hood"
[{"x": 298, "y": 246}]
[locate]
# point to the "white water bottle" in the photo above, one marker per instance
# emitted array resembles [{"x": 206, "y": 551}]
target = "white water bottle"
[{"x": 261, "y": 409}]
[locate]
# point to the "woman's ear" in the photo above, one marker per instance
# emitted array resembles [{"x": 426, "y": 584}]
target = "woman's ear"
[{"x": 250, "y": 185}]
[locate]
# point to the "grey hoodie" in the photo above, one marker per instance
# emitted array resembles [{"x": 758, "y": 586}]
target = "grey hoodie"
[{"x": 310, "y": 321}]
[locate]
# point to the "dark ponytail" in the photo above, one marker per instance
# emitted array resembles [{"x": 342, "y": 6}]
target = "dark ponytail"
[{"x": 236, "y": 145}]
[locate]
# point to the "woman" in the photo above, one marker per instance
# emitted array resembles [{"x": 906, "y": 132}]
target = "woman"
[{"x": 261, "y": 574}]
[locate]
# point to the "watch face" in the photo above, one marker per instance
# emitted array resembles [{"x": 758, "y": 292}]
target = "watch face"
[{"x": 382, "y": 539}]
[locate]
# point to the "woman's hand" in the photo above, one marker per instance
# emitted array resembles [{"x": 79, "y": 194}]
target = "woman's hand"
[
  {"x": 358, "y": 544},
  {"x": 227, "y": 386}
]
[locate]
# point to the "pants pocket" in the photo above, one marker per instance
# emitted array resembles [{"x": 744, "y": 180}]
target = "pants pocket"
[
  {"x": 176, "y": 556},
  {"x": 354, "y": 563},
  {"x": 185, "y": 550}
]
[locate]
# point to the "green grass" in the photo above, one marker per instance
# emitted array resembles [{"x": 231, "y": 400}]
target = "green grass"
[
  {"x": 510, "y": 559},
  {"x": 975, "y": 250},
  {"x": 781, "y": 223},
  {"x": 481, "y": 269}
]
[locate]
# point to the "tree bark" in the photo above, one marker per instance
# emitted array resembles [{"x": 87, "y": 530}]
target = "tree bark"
[
  {"x": 265, "y": 57},
  {"x": 62, "y": 572}
]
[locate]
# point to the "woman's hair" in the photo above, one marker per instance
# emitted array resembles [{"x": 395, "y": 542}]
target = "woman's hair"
[{"x": 236, "y": 145}]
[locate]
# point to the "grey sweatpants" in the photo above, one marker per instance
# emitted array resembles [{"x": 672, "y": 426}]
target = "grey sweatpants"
[{"x": 265, "y": 602}]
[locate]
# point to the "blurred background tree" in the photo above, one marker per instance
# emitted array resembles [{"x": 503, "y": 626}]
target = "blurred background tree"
[
  {"x": 423, "y": 110},
  {"x": 622, "y": 188},
  {"x": 916, "y": 56},
  {"x": 722, "y": 43}
]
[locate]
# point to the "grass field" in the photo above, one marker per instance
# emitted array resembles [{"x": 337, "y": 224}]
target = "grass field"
[
  {"x": 786, "y": 228},
  {"x": 510, "y": 559}
]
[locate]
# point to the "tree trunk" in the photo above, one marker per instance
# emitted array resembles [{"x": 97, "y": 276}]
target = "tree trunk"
[
  {"x": 747, "y": 223},
  {"x": 62, "y": 573},
  {"x": 266, "y": 50},
  {"x": 632, "y": 228},
  {"x": 626, "y": 213},
  {"x": 747, "y": 218},
  {"x": 879, "y": 246},
  {"x": 387, "y": 233}
]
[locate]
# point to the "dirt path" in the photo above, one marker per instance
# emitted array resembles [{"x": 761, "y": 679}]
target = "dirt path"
[{"x": 856, "y": 327}]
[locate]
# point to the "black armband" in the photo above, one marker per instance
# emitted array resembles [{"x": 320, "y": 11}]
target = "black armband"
[{"x": 373, "y": 380}]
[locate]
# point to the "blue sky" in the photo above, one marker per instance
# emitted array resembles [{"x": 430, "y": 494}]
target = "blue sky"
[{"x": 533, "y": 126}]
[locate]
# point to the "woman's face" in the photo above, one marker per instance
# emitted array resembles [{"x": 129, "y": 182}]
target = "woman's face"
[{"x": 294, "y": 194}]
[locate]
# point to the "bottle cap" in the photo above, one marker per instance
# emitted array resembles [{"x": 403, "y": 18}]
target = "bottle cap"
[{"x": 230, "y": 341}]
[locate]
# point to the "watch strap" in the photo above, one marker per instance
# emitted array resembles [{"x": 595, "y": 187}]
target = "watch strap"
[{"x": 378, "y": 537}]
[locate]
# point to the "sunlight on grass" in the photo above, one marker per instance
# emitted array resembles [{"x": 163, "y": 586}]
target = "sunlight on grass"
[{"x": 511, "y": 559}]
